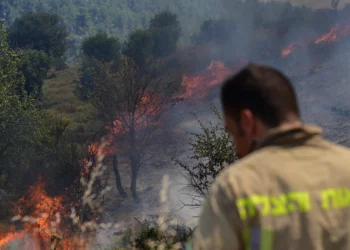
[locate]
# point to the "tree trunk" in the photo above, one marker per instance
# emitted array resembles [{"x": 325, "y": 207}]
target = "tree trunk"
[
  {"x": 117, "y": 177},
  {"x": 134, "y": 170},
  {"x": 134, "y": 161}
]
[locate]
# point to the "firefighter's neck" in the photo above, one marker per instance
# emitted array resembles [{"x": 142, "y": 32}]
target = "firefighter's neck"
[{"x": 291, "y": 122}]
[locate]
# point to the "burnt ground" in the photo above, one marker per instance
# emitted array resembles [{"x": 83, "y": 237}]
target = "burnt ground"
[
  {"x": 126, "y": 212},
  {"x": 323, "y": 89}
]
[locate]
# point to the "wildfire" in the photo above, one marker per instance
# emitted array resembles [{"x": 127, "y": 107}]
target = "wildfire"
[
  {"x": 149, "y": 107},
  {"x": 146, "y": 112},
  {"x": 41, "y": 207},
  {"x": 41, "y": 217},
  {"x": 42, "y": 221},
  {"x": 198, "y": 86},
  {"x": 334, "y": 34},
  {"x": 10, "y": 236},
  {"x": 290, "y": 49}
]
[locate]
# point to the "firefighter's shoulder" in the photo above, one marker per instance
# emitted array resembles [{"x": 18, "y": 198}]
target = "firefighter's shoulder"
[{"x": 244, "y": 175}]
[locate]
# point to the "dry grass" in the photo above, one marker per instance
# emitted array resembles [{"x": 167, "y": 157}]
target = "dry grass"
[{"x": 60, "y": 100}]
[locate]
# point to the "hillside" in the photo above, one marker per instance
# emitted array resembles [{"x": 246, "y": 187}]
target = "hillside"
[
  {"x": 117, "y": 17},
  {"x": 147, "y": 109},
  {"x": 315, "y": 4},
  {"x": 60, "y": 100}
]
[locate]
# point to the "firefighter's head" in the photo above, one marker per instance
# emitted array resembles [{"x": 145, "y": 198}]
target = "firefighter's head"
[{"x": 255, "y": 100}]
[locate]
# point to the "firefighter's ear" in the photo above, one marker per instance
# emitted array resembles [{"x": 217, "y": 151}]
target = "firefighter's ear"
[{"x": 248, "y": 122}]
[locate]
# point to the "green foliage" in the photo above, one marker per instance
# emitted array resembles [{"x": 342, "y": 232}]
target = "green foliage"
[
  {"x": 102, "y": 47},
  {"x": 97, "y": 50},
  {"x": 139, "y": 46},
  {"x": 35, "y": 67},
  {"x": 116, "y": 17},
  {"x": 22, "y": 131},
  {"x": 212, "y": 150},
  {"x": 39, "y": 31},
  {"x": 220, "y": 31},
  {"x": 88, "y": 71},
  {"x": 158, "y": 41},
  {"x": 32, "y": 142},
  {"x": 166, "y": 30}
]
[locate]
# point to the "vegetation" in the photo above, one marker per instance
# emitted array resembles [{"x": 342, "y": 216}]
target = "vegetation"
[
  {"x": 165, "y": 29},
  {"x": 34, "y": 143},
  {"x": 35, "y": 67},
  {"x": 130, "y": 59},
  {"x": 115, "y": 17},
  {"x": 39, "y": 31},
  {"x": 42, "y": 40},
  {"x": 220, "y": 31},
  {"x": 139, "y": 46},
  {"x": 148, "y": 235},
  {"x": 131, "y": 103},
  {"x": 98, "y": 49},
  {"x": 212, "y": 150},
  {"x": 22, "y": 130},
  {"x": 101, "y": 47}
]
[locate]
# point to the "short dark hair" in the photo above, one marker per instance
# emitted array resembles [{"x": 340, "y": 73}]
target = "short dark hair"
[{"x": 265, "y": 91}]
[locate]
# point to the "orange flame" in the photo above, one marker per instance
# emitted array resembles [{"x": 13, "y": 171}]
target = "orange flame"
[
  {"x": 145, "y": 115},
  {"x": 42, "y": 219},
  {"x": 198, "y": 86},
  {"x": 42, "y": 207},
  {"x": 148, "y": 108},
  {"x": 334, "y": 34},
  {"x": 12, "y": 235},
  {"x": 290, "y": 49}
]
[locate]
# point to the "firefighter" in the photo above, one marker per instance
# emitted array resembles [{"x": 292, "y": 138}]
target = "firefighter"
[{"x": 290, "y": 188}]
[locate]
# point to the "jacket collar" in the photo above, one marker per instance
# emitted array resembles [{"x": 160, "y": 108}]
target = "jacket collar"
[{"x": 278, "y": 136}]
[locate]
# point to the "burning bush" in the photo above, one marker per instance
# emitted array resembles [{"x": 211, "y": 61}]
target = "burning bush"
[{"x": 56, "y": 220}]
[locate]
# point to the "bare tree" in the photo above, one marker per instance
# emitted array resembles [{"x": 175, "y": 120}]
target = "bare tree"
[{"x": 132, "y": 102}]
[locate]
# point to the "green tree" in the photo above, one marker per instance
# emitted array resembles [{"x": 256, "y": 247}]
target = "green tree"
[
  {"x": 39, "y": 31},
  {"x": 102, "y": 47},
  {"x": 21, "y": 124},
  {"x": 34, "y": 68},
  {"x": 98, "y": 49},
  {"x": 220, "y": 31},
  {"x": 87, "y": 72},
  {"x": 139, "y": 46},
  {"x": 166, "y": 30}
]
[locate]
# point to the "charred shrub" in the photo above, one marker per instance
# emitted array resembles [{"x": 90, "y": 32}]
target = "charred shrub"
[{"x": 147, "y": 231}]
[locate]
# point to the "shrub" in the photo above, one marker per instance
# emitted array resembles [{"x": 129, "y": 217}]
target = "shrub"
[{"x": 212, "y": 150}]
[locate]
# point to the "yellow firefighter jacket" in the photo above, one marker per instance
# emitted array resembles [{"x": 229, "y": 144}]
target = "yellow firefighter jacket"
[{"x": 292, "y": 193}]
